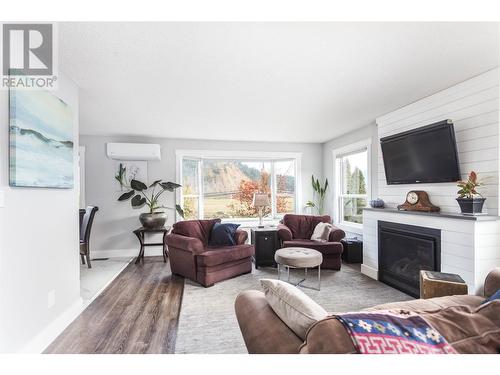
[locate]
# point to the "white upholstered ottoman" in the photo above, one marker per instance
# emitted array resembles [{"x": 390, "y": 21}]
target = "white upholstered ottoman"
[{"x": 298, "y": 257}]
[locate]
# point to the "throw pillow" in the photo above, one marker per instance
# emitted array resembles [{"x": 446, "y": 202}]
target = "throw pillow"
[
  {"x": 493, "y": 297},
  {"x": 322, "y": 232},
  {"x": 223, "y": 234},
  {"x": 297, "y": 310}
]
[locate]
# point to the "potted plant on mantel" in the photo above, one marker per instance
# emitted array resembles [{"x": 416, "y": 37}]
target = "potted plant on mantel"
[
  {"x": 469, "y": 199},
  {"x": 142, "y": 194}
]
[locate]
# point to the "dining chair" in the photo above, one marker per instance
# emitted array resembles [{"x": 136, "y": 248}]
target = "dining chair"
[{"x": 85, "y": 228}]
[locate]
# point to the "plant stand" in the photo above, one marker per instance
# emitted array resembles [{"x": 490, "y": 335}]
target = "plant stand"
[{"x": 140, "y": 233}]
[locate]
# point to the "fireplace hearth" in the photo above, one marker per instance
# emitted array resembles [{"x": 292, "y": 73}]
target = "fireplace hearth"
[{"x": 404, "y": 250}]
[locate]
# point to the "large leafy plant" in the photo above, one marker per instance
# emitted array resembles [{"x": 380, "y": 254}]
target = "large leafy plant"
[
  {"x": 468, "y": 188},
  {"x": 143, "y": 195},
  {"x": 319, "y": 195}
]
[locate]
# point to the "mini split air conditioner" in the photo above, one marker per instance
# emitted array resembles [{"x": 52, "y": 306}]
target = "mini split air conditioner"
[{"x": 133, "y": 151}]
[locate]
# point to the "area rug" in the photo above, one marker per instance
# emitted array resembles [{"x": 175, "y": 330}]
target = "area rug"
[{"x": 208, "y": 323}]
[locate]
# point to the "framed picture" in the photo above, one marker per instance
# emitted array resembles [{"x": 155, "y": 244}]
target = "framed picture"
[{"x": 41, "y": 140}]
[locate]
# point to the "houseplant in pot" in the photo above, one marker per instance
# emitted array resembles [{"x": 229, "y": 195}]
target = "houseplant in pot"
[
  {"x": 469, "y": 199},
  {"x": 319, "y": 195},
  {"x": 143, "y": 195}
]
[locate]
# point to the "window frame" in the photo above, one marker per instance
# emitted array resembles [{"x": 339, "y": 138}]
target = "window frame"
[
  {"x": 272, "y": 157},
  {"x": 338, "y": 154}
]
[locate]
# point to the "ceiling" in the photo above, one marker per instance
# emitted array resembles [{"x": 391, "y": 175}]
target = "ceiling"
[{"x": 286, "y": 82}]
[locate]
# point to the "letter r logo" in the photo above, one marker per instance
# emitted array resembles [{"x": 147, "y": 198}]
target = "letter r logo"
[{"x": 27, "y": 49}]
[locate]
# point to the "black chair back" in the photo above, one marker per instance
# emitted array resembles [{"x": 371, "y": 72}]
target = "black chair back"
[
  {"x": 86, "y": 224},
  {"x": 81, "y": 212}
]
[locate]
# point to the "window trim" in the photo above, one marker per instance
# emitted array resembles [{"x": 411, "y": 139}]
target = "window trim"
[
  {"x": 363, "y": 145},
  {"x": 241, "y": 155}
]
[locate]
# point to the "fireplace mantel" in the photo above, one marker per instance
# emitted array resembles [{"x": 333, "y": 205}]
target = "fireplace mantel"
[
  {"x": 447, "y": 215},
  {"x": 470, "y": 245}
]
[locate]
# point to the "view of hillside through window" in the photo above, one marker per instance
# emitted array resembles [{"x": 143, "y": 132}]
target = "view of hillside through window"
[
  {"x": 225, "y": 188},
  {"x": 353, "y": 197}
]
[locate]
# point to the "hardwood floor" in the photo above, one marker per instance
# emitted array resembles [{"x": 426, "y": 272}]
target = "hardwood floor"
[{"x": 137, "y": 313}]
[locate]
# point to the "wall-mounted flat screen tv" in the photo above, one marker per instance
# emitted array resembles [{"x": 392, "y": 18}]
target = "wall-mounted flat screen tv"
[{"x": 423, "y": 155}]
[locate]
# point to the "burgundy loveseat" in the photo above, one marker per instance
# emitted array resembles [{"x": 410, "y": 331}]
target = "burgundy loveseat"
[
  {"x": 296, "y": 231},
  {"x": 191, "y": 257}
]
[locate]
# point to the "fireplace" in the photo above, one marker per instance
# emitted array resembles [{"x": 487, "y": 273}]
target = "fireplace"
[{"x": 404, "y": 250}]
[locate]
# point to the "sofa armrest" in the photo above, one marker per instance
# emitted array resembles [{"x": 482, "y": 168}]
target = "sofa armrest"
[
  {"x": 328, "y": 336},
  {"x": 240, "y": 237},
  {"x": 262, "y": 330},
  {"x": 284, "y": 233},
  {"x": 336, "y": 234},
  {"x": 190, "y": 244},
  {"x": 492, "y": 282}
]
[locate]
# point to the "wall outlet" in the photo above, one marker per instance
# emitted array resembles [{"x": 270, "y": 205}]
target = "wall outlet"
[{"x": 51, "y": 298}]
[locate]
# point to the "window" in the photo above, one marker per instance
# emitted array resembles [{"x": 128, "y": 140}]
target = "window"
[
  {"x": 224, "y": 187},
  {"x": 191, "y": 188},
  {"x": 229, "y": 186},
  {"x": 285, "y": 186},
  {"x": 351, "y": 171}
]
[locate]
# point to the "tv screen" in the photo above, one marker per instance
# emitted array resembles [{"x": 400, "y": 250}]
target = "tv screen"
[{"x": 423, "y": 155}]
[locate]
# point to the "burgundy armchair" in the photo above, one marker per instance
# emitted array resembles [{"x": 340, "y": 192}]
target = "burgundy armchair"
[
  {"x": 191, "y": 257},
  {"x": 296, "y": 231}
]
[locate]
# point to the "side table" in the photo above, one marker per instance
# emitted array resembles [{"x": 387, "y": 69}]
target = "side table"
[
  {"x": 140, "y": 233},
  {"x": 353, "y": 250},
  {"x": 440, "y": 284},
  {"x": 266, "y": 243}
]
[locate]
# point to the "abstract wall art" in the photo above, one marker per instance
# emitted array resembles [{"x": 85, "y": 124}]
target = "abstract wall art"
[{"x": 41, "y": 140}]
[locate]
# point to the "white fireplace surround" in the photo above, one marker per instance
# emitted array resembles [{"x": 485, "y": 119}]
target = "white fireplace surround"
[{"x": 469, "y": 245}]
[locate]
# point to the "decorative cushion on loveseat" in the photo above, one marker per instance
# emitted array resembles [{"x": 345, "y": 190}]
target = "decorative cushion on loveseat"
[
  {"x": 321, "y": 232},
  {"x": 223, "y": 234},
  {"x": 297, "y": 310}
]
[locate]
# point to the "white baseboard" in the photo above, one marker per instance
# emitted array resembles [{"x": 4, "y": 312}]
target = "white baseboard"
[
  {"x": 43, "y": 339},
  {"x": 149, "y": 251},
  {"x": 369, "y": 271}
]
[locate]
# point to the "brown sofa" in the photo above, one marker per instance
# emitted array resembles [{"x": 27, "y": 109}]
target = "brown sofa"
[
  {"x": 191, "y": 257},
  {"x": 296, "y": 231},
  {"x": 466, "y": 324}
]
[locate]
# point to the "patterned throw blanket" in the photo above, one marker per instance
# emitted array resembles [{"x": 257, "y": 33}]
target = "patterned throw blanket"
[{"x": 393, "y": 332}]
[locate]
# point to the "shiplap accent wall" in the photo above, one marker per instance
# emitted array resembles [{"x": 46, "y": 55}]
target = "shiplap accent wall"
[
  {"x": 473, "y": 106},
  {"x": 468, "y": 248}
]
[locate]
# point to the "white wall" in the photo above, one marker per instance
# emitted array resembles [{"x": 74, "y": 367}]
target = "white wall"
[
  {"x": 473, "y": 106},
  {"x": 114, "y": 221},
  {"x": 38, "y": 250},
  {"x": 367, "y": 132}
]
